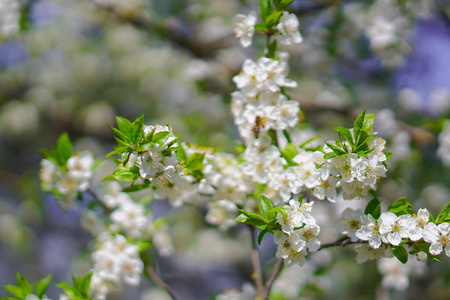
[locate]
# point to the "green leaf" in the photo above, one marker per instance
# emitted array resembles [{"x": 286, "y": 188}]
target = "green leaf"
[
  {"x": 329, "y": 155},
  {"x": 373, "y": 208},
  {"x": 279, "y": 209},
  {"x": 358, "y": 124},
  {"x": 262, "y": 28},
  {"x": 125, "y": 174},
  {"x": 135, "y": 188},
  {"x": 289, "y": 152},
  {"x": 273, "y": 18},
  {"x": 336, "y": 150},
  {"x": 64, "y": 148},
  {"x": 24, "y": 285},
  {"x": 181, "y": 154},
  {"x": 401, "y": 207},
  {"x": 388, "y": 155},
  {"x": 125, "y": 127},
  {"x": 368, "y": 123},
  {"x": 265, "y": 205},
  {"x": 195, "y": 161},
  {"x": 251, "y": 215},
  {"x": 265, "y": 10},
  {"x": 400, "y": 253},
  {"x": 138, "y": 130},
  {"x": 120, "y": 134},
  {"x": 345, "y": 133},
  {"x": 16, "y": 291},
  {"x": 86, "y": 282},
  {"x": 42, "y": 285},
  {"x": 444, "y": 216},
  {"x": 425, "y": 247},
  {"x": 161, "y": 137},
  {"x": 241, "y": 218},
  {"x": 261, "y": 235},
  {"x": 283, "y": 4},
  {"x": 309, "y": 141}
]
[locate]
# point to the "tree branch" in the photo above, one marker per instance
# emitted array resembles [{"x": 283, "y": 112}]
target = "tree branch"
[
  {"x": 256, "y": 262},
  {"x": 276, "y": 270},
  {"x": 151, "y": 273},
  {"x": 341, "y": 242}
]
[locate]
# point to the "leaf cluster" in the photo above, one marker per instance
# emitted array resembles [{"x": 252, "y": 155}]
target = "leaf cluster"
[
  {"x": 24, "y": 288},
  {"x": 61, "y": 153},
  {"x": 267, "y": 222},
  {"x": 192, "y": 164},
  {"x": 80, "y": 288},
  {"x": 356, "y": 142},
  {"x": 130, "y": 138}
]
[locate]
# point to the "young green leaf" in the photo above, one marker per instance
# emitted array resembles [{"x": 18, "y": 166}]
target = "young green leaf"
[
  {"x": 265, "y": 205},
  {"x": 401, "y": 207},
  {"x": 373, "y": 208},
  {"x": 400, "y": 253},
  {"x": 64, "y": 148},
  {"x": 368, "y": 123},
  {"x": 261, "y": 235},
  {"x": 346, "y": 134},
  {"x": 444, "y": 216},
  {"x": 42, "y": 285},
  {"x": 289, "y": 152}
]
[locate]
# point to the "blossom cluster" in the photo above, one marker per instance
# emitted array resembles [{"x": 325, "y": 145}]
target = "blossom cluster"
[
  {"x": 287, "y": 29},
  {"x": 115, "y": 260},
  {"x": 355, "y": 174},
  {"x": 66, "y": 181},
  {"x": 391, "y": 230},
  {"x": 298, "y": 233},
  {"x": 9, "y": 17},
  {"x": 227, "y": 185},
  {"x": 157, "y": 161}
]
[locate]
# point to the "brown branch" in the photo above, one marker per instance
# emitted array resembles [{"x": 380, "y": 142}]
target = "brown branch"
[
  {"x": 256, "y": 262},
  {"x": 276, "y": 270},
  {"x": 341, "y": 242},
  {"x": 151, "y": 273}
]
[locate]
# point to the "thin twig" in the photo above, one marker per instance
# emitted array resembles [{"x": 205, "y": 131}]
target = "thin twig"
[
  {"x": 341, "y": 242},
  {"x": 254, "y": 253},
  {"x": 150, "y": 272},
  {"x": 276, "y": 270}
]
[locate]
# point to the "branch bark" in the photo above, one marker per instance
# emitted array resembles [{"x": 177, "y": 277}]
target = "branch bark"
[
  {"x": 151, "y": 273},
  {"x": 256, "y": 262}
]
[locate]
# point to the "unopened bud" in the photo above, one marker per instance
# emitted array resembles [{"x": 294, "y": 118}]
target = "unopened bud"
[{"x": 422, "y": 256}]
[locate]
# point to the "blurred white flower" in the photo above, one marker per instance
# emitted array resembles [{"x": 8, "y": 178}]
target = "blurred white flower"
[{"x": 244, "y": 28}]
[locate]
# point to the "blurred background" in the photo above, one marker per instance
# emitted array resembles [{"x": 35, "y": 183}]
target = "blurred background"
[{"x": 71, "y": 66}]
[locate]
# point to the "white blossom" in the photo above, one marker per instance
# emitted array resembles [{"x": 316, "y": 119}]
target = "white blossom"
[
  {"x": 439, "y": 237},
  {"x": 350, "y": 223},
  {"x": 244, "y": 28},
  {"x": 393, "y": 228},
  {"x": 289, "y": 29}
]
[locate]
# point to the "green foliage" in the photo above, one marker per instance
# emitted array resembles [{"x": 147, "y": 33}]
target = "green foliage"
[
  {"x": 401, "y": 253},
  {"x": 61, "y": 153},
  {"x": 401, "y": 207},
  {"x": 444, "y": 216},
  {"x": 131, "y": 140},
  {"x": 357, "y": 142},
  {"x": 425, "y": 247},
  {"x": 80, "y": 288},
  {"x": 373, "y": 208},
  {"x": 24, "y": 288},
  {"x": 289, "y": 152}
]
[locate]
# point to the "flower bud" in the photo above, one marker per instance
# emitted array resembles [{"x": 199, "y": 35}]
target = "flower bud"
[{"x": 422, "y": 256}]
